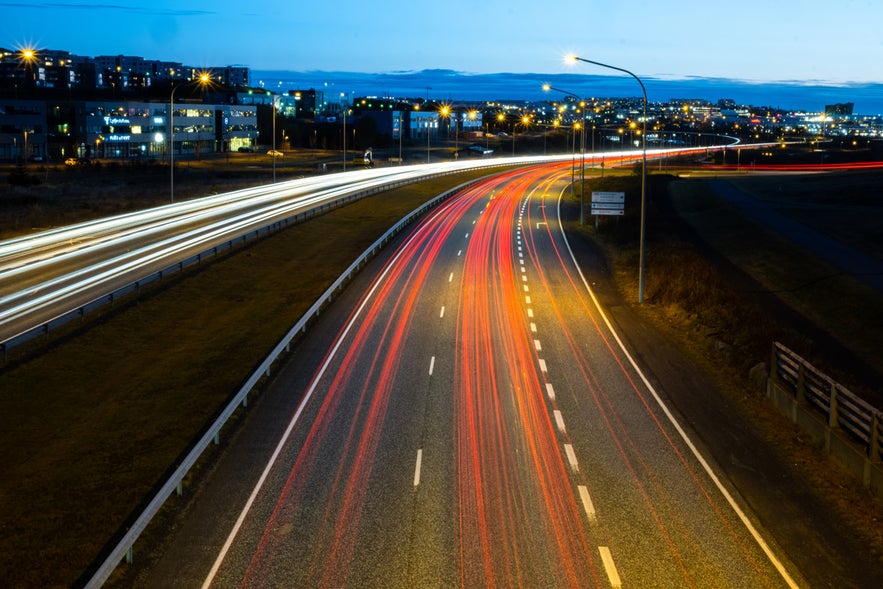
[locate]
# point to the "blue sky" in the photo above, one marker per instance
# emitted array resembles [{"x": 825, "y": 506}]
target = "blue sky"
[{"x": 758, "y": 40}]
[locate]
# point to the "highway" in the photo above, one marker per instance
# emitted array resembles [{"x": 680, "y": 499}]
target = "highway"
[
  {"x": 47, "y": 274},
  {"x": 466, "y": 416}
]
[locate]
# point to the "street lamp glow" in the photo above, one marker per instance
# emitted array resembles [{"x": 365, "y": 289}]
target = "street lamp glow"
[{"x": 573, "y": 59}]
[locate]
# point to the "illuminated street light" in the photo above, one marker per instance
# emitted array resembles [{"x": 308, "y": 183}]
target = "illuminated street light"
[
  {"x": 444, "y": 112},
  {"x": 573, "y": 58},
  {"x": 582, "y": 152},
  {"x": 203, "y": 80}
]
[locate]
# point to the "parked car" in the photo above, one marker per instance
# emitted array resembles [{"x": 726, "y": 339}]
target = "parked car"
[
  {"x": 478, "y": 149},
  {"x": 71, "y": 161},
  {"x": 274, "y": 153}
]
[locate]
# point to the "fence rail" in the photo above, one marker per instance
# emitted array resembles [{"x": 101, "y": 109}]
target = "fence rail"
[
  {"x": 841, "y": 408},
  {"x": 174, "y": 485}
]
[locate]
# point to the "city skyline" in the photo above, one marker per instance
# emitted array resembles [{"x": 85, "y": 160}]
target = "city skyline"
[{"x": 758, "y": 42}]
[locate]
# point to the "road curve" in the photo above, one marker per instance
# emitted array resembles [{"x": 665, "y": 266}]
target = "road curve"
[{"x": 468, "y": 418}]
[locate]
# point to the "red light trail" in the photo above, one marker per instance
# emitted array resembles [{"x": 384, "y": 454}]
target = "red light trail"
[{"x": 516, "y": 466}]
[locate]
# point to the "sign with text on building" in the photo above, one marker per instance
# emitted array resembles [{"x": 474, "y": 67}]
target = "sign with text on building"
[{"x": 608, "y": 203}]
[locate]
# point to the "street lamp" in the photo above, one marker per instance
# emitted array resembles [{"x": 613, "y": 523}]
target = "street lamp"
[
  {"x": 525, "y": 120},
  {"x": 444, "y": 112},
  {"x": 343, "y": 110},
  {"x": 582, "y": 153},
  {"x": 643, "y": 167},
  {"x": 203, "y": 80},
  {"x": 275, "y": 96}
]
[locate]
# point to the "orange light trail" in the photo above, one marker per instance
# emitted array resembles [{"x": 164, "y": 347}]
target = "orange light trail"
[{"x": 518, "y": 514}]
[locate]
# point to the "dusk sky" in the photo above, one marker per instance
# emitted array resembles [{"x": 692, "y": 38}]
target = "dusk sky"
[{"x": 757, "y": 40}]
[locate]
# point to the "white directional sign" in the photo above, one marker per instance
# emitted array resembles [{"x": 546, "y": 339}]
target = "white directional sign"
[
  {"x": 608, "y": 203},
  {"x": 612, "y": 197}
]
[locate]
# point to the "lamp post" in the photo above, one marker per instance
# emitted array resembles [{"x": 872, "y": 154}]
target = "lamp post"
[
  {"x": 582, "y": 153},
  {"x": 203, "y": 79},
  {"x": 172, "y": 145},
  {"x": 343, "y": 110},
  {"x": 401, "y": 133},
  {"x": 643, "y": 168},
  {"x": 275, "y": 96},
  {"x": 444, "y": 112}
]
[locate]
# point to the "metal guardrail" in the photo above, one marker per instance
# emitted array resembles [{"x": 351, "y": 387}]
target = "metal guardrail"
[
  {"x": 842, "y": 409},
  {"x": 174, "y": 484}
]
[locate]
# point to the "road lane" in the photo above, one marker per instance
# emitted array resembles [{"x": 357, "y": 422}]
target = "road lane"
[
  {"x": 473, "y": 423},
  {"x": 668, "y": 519}
]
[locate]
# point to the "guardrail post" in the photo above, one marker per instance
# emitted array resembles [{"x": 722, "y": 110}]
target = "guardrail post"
[
  {"x": 874, "y": 443},
  {"x": 801, "y": 382},
  {"x": 833, "y": 419},
  {"x": 179, "y": 488},
  {"x": 217, "y": 439},
  {"x": 130, "y": 555},
  {"x": 774, "y": 364}
]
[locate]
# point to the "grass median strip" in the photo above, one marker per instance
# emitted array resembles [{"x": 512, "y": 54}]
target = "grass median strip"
[{"x": 89, "y": 426}]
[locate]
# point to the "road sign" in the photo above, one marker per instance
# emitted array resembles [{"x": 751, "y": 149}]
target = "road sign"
[
  {"x": 608, "y": 203},
  {"x": 611, "y": 197},
  {"x": 607, "y": 211}
]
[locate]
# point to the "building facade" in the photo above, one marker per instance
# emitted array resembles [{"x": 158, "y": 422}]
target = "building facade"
[{"x": 118, "y": 129}]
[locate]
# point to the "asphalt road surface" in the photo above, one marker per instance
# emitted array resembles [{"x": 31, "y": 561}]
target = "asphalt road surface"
[{"x": 465, "y": 415}]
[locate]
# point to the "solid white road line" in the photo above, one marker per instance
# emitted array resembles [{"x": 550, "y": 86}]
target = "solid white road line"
[
  {"x": 728, "y": 497},
  {"x": 431, "y": 365}
]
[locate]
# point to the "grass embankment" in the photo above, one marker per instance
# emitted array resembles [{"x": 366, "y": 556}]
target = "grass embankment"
[
  {"x": 710, "y": 268},
  {"x": 89, "y": 425},
  {"x": 695, "y": 296}
]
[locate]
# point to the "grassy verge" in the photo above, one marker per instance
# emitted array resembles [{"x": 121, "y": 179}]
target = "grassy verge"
[
  {"x": 91, "y": 424},
  {"x": 709, "y": 267}
]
